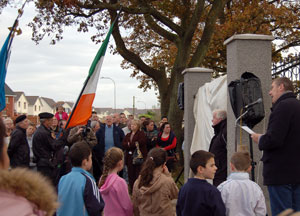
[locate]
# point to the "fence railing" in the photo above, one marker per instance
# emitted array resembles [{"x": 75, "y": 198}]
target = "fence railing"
[{"x": 290, "y": 68}]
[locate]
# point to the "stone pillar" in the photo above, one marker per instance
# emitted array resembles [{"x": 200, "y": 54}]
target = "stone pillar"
[
  {"x": 251, "y": 53},
  {"x": 193, "y": 79}
]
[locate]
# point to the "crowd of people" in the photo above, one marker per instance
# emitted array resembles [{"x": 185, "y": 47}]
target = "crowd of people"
[
  {"x": 152, "y": 189},
  {"x": 50, "y": 150},
  {"x": 123, "y": 167}
]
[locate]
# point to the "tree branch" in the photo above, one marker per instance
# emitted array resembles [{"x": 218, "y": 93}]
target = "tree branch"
[
  {"x": 111, "y": 6},
  {"x": 144, "y": 9},
  {"x": 209, "y": 28},
  {"x": 159, "y": 30},
  {"x": 158, "y": 76},
  {"x": 165, "y": 20},
  {"x": 194, "y": 21},
  {"x": 292, "y": 44},
  {"x": 83, "y": 14}
]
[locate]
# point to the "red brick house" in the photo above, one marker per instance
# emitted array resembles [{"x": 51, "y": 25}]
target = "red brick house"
[{"x": 9, "y": 97}]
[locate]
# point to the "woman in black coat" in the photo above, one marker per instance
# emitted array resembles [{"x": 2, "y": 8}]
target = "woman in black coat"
[{"x": 218, "y": 145}]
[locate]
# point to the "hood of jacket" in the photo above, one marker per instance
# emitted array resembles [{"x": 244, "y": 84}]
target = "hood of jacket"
[
  {"x": 109, "y": 182},
  {"x": 29, "y": 185},
  {"x": 156, "y": 183}
]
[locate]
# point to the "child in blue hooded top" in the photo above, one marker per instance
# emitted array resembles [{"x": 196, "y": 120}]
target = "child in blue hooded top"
[{"x": 78, "y": 193}]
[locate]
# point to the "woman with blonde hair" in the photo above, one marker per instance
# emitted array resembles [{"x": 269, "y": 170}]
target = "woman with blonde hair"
[
  {"x": 135, "y": 146},
  {"x": 154, "y": 190},
  {"x": 113, "y": 188}
]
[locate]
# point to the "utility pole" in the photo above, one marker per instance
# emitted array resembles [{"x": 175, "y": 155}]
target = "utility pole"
[{"x": 133, "y": 106}]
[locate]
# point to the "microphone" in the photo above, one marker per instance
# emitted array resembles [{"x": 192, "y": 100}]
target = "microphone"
[{"x": 259, "y": 100}]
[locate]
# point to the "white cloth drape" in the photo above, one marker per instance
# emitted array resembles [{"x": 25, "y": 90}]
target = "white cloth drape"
[{"x": 210, "y": 96}]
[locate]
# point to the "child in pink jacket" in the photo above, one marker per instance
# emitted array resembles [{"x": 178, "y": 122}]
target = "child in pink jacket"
[{"x": 113, "y": 188}]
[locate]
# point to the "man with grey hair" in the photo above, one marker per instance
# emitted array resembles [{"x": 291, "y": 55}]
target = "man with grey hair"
[
  {"x": 109, "y": 135},
  {"x": 95, "y": 125},
  {"x": 218, "y": 145},
  {"x": 43, "y": 145}
]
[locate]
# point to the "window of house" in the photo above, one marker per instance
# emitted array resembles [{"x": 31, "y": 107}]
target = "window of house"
[
  {"x": 7, "y": 101},
  {"x": 24, "y": 105},
  {"x": 34, "y": 107},
  {"x": 39, "y": 108},
  {"x": 19, "y": 104}
]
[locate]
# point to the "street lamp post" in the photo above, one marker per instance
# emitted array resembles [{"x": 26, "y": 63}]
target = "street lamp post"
[{"x": 114, "y": 91}]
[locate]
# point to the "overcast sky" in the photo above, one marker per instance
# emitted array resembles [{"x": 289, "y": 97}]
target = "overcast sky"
[{"x": 58, "y": 71}]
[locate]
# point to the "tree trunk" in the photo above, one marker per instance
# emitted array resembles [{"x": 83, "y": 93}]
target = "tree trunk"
[
  {"x": 164, "y": 98},
  {"x": 175, "y": 115},
  {"x": 175, "y": 118}
]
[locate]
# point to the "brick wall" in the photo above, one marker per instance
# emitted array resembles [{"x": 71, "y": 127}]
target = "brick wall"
[{"x": 9, "y": 109}]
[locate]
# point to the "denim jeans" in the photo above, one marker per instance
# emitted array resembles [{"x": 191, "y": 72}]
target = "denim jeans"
[{"x": 283, "y": 197}]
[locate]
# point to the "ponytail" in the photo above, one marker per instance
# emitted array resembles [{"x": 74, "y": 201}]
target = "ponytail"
[
  {"x": 156, "y": 158},
  {"x": 103, "y": 176},
  {"x": 110, "y": 161}
]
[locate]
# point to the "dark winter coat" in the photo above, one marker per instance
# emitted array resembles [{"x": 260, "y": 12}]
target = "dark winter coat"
[
  {"x": 218, "y": 146},
  {"x": 281, "y": 143},
  {"x": 18, "y": 149},
  {"x": 198, "y": 197},
  {"x": 118, "y": 136},
  {"x": 129, "y": 147},
  {"x": 43, "y": 146}
]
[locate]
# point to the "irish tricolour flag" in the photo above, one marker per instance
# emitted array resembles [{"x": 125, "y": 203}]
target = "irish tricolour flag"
[{"x": 82, "y": 109}]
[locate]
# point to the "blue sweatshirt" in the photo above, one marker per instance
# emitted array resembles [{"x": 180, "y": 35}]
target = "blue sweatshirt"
[
  {"x": 78, "y": 194},
  {"x": 198, "y": 197}
]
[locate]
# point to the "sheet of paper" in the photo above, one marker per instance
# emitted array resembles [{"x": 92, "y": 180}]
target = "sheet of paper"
[{"x": 247, "y": 129}]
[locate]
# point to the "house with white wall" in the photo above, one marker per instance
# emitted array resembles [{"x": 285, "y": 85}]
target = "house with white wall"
[
  {"x": 35, "y": 105},
  {"x": 48, "y": 105},
  {"x": 126, "y": 112},
  {"x": 103, "y": 112},
  {"x": 21, "y": 103},
  {"x": 68, "y": 106}
]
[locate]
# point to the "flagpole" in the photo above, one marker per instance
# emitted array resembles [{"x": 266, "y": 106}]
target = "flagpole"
[
  {"x": 85, "y": 83},
  {"x": 16, "y": 23},
  {"x": 4, "y": 57}
]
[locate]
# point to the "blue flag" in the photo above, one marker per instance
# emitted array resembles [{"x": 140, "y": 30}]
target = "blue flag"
[{"x": 4, "y": 58}]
